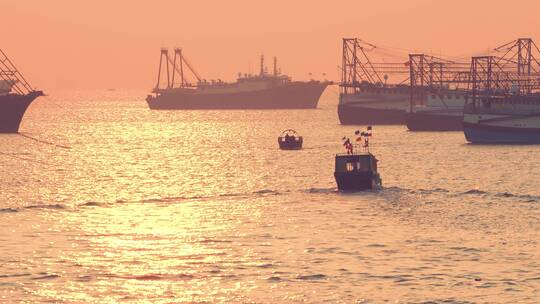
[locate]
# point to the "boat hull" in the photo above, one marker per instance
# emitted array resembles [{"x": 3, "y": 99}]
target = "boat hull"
[
  {"x": 362, "y": 115},
  {"x": 297, "y": 95},
  {"x": 357, "y": 181},
  {"x": 425, "y": 121},
  {"x": 373, "y": 106},
  {"x": 12, "y": 109},
  {"x": 486, "y": 134},
  {"x": 495, "y": 128},
  {"x": 295, "y": 144}
]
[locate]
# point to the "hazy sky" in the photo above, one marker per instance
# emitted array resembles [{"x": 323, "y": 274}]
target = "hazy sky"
[{"x": 85, "y": 44}]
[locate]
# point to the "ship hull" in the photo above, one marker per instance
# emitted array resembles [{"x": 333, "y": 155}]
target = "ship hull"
[
  {"x": 362, "y": 115},
  {"x": 423, "y": 121},
  {"x": 299, "y": 95},
  {"x": 502, "y": 129},
  {"x": 373, "y": 107},
  {"x": 12, "y": 109},
  {"x": 481, "y": 134}
]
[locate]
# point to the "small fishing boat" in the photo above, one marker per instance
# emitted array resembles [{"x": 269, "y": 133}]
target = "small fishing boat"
[
  {"x": 357, "y": 171},
  {"x": 290, "y": 140}
]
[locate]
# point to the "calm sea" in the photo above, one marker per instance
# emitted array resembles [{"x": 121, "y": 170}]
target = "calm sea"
[{"x": 103, "y": 200}]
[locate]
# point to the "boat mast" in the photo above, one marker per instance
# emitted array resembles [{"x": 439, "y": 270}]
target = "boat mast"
[
  {"x": 10, "y": 74},
  {"x": 180, "y": 61},
  {"x": 177, "y": 63},
  {"x": 356, "y": 65},
  {"x": 527, "y": 66},
  {"x": 275, "y": 66},
  {"x": 164, "y": 54}
]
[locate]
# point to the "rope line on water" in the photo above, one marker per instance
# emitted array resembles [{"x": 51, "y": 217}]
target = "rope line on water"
[
  {"x": 25, "y": 159},
  {"x": 43, "y": 141}
]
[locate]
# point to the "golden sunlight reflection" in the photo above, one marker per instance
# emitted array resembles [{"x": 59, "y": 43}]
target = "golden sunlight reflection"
[
  {"x": 143, "y": 248},
  {"x": 202, "y": 207}
]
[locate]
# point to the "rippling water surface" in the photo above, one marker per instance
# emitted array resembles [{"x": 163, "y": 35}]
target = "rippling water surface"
[{"x": 103, "y": 200}]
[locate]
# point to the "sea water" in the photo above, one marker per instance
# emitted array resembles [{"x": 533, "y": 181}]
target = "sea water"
[{"x": 103, "y": 200}]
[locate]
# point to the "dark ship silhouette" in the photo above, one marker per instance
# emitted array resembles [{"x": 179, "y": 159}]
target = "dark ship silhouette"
[
  {"x": 263, "y": 91},
  {"x": 16, "y": 95}
]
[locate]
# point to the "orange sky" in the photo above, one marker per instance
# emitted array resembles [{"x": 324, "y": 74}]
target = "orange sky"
[{"x": 77, "y": 44}]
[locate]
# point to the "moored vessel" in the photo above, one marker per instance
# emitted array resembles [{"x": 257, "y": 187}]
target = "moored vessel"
[
  {"x": 367, "y": 103},
  {"x": 504, "y": 107},
  {"x": 16, "y": 95},
  {"x": 365, "y": 96},
  {"x": 503, "y": 120},
  {"x": 442, "y": 111},
  {"x": 262, "y": 91},
  {"x": 437, "y": 93}
]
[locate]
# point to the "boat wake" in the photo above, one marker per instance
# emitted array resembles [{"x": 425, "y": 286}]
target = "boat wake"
[{"x": 395, "y": 195}]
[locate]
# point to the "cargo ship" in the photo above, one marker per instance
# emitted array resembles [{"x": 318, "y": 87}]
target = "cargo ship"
[
  {"x": 262, "y": 91},
  {"x": 16, "y": 95}
]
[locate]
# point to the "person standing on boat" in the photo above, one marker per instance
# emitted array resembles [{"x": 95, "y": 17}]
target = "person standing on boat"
[{"x": 348, "y": 145}]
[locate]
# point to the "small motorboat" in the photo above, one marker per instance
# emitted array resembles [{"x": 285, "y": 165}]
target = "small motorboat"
[
  {"x": 290, "y": 140},
  {"x": 357, "y": 171}
]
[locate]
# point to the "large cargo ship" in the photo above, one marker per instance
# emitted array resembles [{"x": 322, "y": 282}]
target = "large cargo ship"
[
  {"x": 263, "y": 91},
  {"x": 16, "y": 95}
]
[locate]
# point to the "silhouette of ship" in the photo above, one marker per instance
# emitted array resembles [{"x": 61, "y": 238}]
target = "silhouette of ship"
[
  {"x": 504, "y": 102},
  {"x": 365, "y": 96},
  {"x": 441, "y": 112},
  {"x": 365, "y": 103},
  {"x": 16, "y": 95},
  {"x": 263, "y": 91},
  {"x": 438, "y": 93},
  {"x": 503, "y": 119}
]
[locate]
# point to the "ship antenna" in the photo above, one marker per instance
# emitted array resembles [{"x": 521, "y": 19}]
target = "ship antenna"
[{"x": 262, "y": 65}]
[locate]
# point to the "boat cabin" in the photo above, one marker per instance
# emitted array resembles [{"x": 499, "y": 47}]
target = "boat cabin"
[
  {"x": 290, "y": 140},
  {"x": 357, "y": 172}
]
